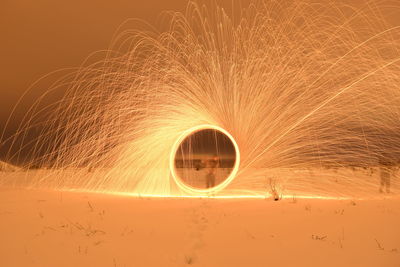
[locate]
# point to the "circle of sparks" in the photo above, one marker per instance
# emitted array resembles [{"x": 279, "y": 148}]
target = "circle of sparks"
[{"x": 190, "y": 189}]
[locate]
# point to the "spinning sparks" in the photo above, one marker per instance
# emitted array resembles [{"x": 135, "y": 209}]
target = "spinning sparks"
[
  {"x": 218, "y": 187},
  {"x": 308, "y": 93}
]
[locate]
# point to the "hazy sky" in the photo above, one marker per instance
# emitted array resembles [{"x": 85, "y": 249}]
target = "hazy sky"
[{"x": 42, "y": 36}]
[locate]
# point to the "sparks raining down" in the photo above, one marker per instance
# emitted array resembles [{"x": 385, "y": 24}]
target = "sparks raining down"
[{"x": 308, "y": 92}]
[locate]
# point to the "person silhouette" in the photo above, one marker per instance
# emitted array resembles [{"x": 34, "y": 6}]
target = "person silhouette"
[
  {"x": 212, "y": 164},
  {"x": 387, "y": 169}
]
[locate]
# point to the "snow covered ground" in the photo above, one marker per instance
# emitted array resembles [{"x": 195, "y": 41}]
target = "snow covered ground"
[{"x": 54, "y": 228}]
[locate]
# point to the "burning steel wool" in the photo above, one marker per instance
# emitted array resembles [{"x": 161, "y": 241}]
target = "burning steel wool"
[
  {"x": 202, "y": 147},
  {"x": 307, "y": 96}
]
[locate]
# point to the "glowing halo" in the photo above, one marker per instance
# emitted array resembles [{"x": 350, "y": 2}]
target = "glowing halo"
[{"x": 222, "y": 185}]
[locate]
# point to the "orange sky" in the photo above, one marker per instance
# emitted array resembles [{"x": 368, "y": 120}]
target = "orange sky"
[
  {"x": 41, "y": 36},
  {"x": 38, "y": 37}
]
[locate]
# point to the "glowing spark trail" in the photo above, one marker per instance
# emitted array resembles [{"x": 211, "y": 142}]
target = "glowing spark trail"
[
  {"x": 222, "y": 185},
  {"x": 308, "y": 93}
]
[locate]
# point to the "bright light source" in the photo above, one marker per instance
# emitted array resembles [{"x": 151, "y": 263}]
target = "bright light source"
[{"x": 195, "y": 190}]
